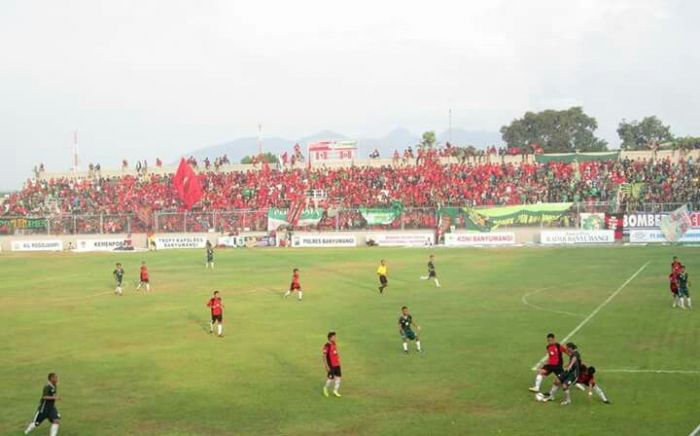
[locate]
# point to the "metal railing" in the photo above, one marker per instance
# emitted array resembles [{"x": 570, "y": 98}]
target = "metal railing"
[{"x": 250, "y": 220}]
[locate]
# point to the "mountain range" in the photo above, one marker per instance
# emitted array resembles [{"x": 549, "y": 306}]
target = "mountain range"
[{"x": 397, "y": 139}]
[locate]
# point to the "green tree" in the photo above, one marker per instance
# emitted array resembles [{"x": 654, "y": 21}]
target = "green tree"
[
  {"x": 428, "y": 140},
  {"x": 555, "y": 131},
  {"x": 639, "y": 135},
  {"x": 686, "y": 143},
  {"x": 265, "y": 157}
]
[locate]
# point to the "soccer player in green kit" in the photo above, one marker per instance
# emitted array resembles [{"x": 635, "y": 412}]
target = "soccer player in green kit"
[
  {"x": 431, "y": 271},
  {"x": 405, "y": 329},
  {"x": 210, "y": 256},
  {"x": 683, "y": 293},
  {"x": 47, "y": 408},
  {"x": 118, "y": 278}
]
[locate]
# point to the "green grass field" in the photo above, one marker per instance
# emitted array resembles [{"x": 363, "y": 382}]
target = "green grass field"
[{"x": 147, "y": 365}]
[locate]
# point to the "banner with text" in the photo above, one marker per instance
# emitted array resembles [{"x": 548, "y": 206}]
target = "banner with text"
[
  {"x": 376, "y": 217},
  {"x": 488, "y": 219},
  {"x": 576, "y": 237},
  {"x": 402, "y": 239},
  {"x": 101, "y": 244},
  {"x": 37, "y": 245},
  {"x": 650, "y": 236},
  {"x": 324, "y": 240},
  {"x": 167, "y": 242},
  {"x": 277, "y": 218},
  {"x": 9, "y": 225},
  {"x": 231, "y": 241},
  {"x": 479, "y": 239}
]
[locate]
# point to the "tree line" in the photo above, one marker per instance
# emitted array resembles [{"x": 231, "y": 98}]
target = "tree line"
[{"x": 573, "y": 130}]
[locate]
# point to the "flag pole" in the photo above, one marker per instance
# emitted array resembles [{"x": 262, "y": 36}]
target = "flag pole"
[{"x": 75, "y": 152}]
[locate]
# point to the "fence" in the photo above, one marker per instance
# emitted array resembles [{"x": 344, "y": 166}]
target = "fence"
[{"x": 340, "y": 219}]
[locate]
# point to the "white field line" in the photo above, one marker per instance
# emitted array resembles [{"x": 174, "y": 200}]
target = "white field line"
[
  {"x": 695, "y": 432},
  {"x": 595, "y": 311},
  {"x": 652, "y": 371},
  {"x": 527, "y": 303}
]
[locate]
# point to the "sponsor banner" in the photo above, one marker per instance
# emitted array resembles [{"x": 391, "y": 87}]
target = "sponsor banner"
[
  {"x": 402, "y": 239},
  {"x": 575, "y": 237},
  {"x": 643, "y": 220},
  {"x": 100, "y": 244},
  {"x": 324, "y": 240},
  {"x": 592, "y": 221},
  {"x": 37, "y": 245},
  {"x": 476, "y": 239},
  {"x": 649, "y": 236},
  {"x": 231, "y": 241},
  {"x": 649, "y": 220},
  {"x": 166, "y": 242}
]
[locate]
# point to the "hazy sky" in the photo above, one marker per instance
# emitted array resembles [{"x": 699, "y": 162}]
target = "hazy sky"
[{"x": 141, "y": 79}]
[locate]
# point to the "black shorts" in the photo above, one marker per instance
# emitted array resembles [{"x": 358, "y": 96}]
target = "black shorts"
[
  {"x": 568, "y": 378},
  {"x": 432, "y": 274},
  {"x": 383, "y": 280},
  {"x": 217, "y": 318},
  {"x": 556, "y": 369},
  {"x": 210, "y": 259},
  {"x": 334, "y": 372},
  {"x": 119, "y": 283},
  {"x": 48, "y": 413}
]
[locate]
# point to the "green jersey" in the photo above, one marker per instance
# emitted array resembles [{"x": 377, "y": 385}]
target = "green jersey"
[
  {"x": 118, "y": 275},
  {"x": 405, "y": 322},
  {"x": 683, "y": 280}
]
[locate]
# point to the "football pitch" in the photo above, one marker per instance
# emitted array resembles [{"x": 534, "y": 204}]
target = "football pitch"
[{"x": 146, "y": 364}]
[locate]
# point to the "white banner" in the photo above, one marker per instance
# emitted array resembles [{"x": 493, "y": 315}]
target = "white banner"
[
  {"x": 99, "y": 244},
  {"x": 37, "y": 245},
  {"x": 165, "y": 242},
  {"x": 402, "y": 239},
  {"x": 476, "y": 239},
  {"x": 565, "y": 237},
  {"x": 657, "y": 237},
  {"x": 324, "y": 240},
  {"x": 231, "y": 241}
]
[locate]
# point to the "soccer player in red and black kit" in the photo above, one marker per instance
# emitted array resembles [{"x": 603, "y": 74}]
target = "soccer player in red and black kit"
[
  {"x": 555, "y": 362},
  {"x": 331, "y": 361},
  {"x": 587, "y": 380},
  {"x": 295, "y": 286},
  {"x": 144, "y": 279},
  {"x": 217, "y": 314},
  {"x": 676, "y": 267}
]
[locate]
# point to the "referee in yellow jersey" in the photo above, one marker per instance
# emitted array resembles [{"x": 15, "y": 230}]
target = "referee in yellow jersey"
[{"x": 381, "y": 272}]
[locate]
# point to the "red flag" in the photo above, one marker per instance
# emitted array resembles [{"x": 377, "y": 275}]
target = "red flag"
[{"x": 187, "y": 185}]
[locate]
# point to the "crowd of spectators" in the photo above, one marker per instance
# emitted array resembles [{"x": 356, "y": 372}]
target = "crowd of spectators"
[{"x": 428, "y": 183}]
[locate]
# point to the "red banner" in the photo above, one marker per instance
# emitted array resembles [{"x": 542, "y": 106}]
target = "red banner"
[{"x": 615, "y": 222}]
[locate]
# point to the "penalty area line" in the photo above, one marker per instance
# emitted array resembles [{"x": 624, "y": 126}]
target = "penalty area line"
[{"x": 596, "y": 310}]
